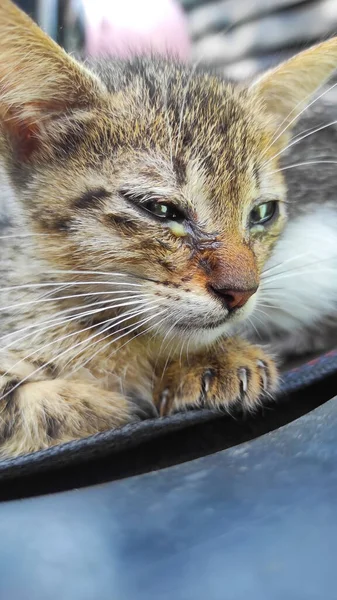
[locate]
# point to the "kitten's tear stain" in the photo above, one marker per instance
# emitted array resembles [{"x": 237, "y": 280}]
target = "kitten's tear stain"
[{"x": 178, "y": 229}]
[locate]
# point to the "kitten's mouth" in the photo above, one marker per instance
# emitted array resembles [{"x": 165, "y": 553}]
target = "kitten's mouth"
[
  {"x": 211, "y": 322},
  {"x": 202, "y": 324}
]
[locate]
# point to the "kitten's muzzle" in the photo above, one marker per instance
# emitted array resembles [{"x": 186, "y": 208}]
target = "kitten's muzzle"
[{"x": 232, "y": 299}]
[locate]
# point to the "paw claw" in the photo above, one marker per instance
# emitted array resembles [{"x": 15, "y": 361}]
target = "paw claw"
[
  {"x": 263, "y": 374},
  {"x": 207, "y": 379},
  {"x": 164, "y": 403},
  {"x": 243, "y": 376}
]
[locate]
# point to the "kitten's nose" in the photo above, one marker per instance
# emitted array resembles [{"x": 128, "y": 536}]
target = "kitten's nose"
[{"x": 233, "y": 298}]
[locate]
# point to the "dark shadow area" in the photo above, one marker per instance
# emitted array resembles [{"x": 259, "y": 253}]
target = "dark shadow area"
[{"x": 155, "y": 444}]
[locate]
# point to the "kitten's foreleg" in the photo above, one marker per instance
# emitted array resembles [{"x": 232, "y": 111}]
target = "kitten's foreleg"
[{"x": 42, "y": 411}]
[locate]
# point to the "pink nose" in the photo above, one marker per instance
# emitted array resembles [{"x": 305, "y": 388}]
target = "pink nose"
[{"x": 233, "y": 298}]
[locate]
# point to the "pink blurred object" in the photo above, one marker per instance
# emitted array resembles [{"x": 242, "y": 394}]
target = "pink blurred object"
[{"x": 127, "y": 27}]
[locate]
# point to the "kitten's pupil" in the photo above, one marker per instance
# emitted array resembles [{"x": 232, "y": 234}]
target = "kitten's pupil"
[
  {"x": 163, "y": 210},
  {"x": 263, "y": 213}
]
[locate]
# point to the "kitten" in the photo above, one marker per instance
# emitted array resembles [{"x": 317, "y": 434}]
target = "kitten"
[{"x": 145, "y": 199}]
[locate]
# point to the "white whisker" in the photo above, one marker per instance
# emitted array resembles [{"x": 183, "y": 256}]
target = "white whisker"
[
  {"x": 28, "y": 377},
  {"x": 304, "y": 164},
  {"x": 31, "y": 302},
  {"x": 299, "y": 139},
  {"x": 254, "y": 327},
  {"x": 297, "y": 116},
  {"x": 292, "y": 258},
  {"x": 26, "y": 235},
  {"x": 73, "y": 333},
  {"x": 300, "y": 272},
  {"x": 57, "y": 322},
  {"x": 111, "y": 341},
  {"x": 108, "y": 327},
  {"x": 66, "y": 284},
  {"x": 58, "y": 316}
]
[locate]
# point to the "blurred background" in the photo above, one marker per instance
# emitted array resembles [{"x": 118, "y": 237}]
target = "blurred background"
[{"x": 240, "y": 37}]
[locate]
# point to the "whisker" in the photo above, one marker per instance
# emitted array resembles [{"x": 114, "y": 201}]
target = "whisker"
[
  {"x": 56, "y": 322},
  {"x": 263, "y": 312},
  {"x": 297, "y": 116},
  {"x": 310, "y": 264},
  {"x": 39, "y": 369},
  {"x": 39, "y": 301},
  {"x": 305, "y": 163},
  {"x": 117, "y": 339},
  {"x": 254, "y": 327},
  {"x": 58, "y": 316},
  {"x": 284, "y": 262},
  {"x": 264, "y": 305},
  {"x": 66, "y": 283},
  {"x": 103, "y": 330},
  {"x": 26, "y": 235},
  {"x": 73, "y": 333},
  {"x": 86, "y": 272},
  {"x": 301, "y": 270},
  {"x": 170, "y": 352},
  {"x": 299, "y": 139},
  {"x": 161, "y": 349}
]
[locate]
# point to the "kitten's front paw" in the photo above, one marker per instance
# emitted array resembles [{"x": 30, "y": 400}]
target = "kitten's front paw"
[{"x": 240, "y": 373}]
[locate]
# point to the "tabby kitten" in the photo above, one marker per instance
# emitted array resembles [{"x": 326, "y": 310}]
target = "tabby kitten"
[{"x": 145, "y": 199}]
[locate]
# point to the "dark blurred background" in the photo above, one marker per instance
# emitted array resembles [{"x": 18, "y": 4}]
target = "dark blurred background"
[{"x": 241, "y": 37}]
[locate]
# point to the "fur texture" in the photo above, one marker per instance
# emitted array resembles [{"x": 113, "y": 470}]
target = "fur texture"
[
  {"x": 296, "y": 309},
  {"x": 133, "y": 188}
]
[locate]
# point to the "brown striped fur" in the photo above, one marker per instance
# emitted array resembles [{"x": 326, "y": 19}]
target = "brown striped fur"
[{"x": 79, "y": 146}]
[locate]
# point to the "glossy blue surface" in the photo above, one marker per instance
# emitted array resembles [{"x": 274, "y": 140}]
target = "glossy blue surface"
[{"x": 258, "y": 521}]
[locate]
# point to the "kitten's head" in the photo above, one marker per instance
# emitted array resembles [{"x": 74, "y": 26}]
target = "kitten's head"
[{"x": 165, "y": 174}]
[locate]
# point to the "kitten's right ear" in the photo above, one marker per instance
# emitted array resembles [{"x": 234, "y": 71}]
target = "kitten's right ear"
[
  {"x": 288, "y": 88},
  {"x": 38, "y": 80}
]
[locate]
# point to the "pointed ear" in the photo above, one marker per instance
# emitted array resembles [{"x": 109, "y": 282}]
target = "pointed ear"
[
  {"x": 38, "y": 80},
  {"x": 288, "y": 88}
]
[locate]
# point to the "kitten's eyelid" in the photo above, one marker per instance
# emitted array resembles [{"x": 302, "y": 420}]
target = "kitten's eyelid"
[
  {"x": 143, "y": 200},
  {"x": 268, "y": 198}
]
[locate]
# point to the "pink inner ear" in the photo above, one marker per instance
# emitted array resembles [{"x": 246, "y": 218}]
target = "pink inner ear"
[{"x": 23, "y": 135}]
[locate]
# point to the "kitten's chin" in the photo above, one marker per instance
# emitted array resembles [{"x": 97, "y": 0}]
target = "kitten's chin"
[{"x": 200, "y": 331}]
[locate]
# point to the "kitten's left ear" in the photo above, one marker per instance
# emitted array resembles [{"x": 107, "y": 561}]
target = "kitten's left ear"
[{"x": 288, "y": 88}]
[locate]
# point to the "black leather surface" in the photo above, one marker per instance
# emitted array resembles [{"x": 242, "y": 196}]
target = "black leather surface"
[
  {"x": 257, "y": 521},
  {"x": 158, "y": 443}
]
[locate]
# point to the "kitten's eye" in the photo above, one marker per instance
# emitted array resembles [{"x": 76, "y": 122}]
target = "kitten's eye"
[
  {"x": 153, "y": 205},
  {"x": 263, "y": 213},
  {"x": 163, "y": 210}
]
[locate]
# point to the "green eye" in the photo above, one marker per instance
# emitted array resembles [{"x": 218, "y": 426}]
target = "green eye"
[{"x": 263, "y": 213}]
